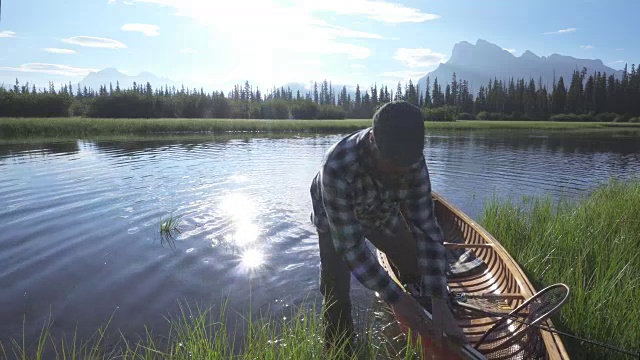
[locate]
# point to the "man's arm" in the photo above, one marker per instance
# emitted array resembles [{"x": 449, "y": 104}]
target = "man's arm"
[
  {"x": 348, "y": 237},
  {"x": 431, "y": 251}
]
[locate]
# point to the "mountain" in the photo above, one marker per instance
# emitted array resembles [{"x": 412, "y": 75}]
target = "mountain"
[
  {"x": 110, "y": 75},
  {"x": 484, "y": 61}
]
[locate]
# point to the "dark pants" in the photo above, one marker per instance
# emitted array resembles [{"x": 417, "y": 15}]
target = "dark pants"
[{"x": 400, "y": 247}]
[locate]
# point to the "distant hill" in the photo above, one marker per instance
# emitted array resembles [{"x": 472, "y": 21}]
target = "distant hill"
[
  {"x": 110, "y": 75},
  {"x": 484, "y": 61}
]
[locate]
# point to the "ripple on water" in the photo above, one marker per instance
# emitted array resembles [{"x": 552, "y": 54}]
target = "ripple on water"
[{"x": 79, "y": 229}]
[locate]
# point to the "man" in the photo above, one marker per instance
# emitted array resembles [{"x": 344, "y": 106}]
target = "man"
[{"x": 374, "y": 184}]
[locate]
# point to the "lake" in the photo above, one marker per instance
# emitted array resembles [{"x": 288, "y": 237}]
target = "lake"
[{"x": 79, "y": 219}]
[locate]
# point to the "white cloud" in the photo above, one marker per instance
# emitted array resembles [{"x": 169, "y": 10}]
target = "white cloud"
[
  {"x": 188, "y": 51},
  {"x": 59, "y": 51},
  {"x": 339, "y": 31},
  {"x": 112, "y": 1},
  {"x": 617, "y": 62},
  {"x": 620, "y": 49},
  {"x": 303, "y": 29},
  {"x": 561, "y": 31},
  {"x": 310, "y": 62},
  {"x": 510, "y": 50},
  {"x": 294, "y": 25},
  {"x": 146, "y": 29},
  {"x": 376, "y": 10},
  {"x": 418, "y": 57},
  {"x": 587, "y": 47},
  {"x": 7, "y": 34},
  {"x": 357, "y": 66},
  {"x": 52, "y": 69},
  {"x": 95, "y": 42}
]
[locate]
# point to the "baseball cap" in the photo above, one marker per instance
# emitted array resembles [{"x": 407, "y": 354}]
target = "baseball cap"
[{"x": 398, "y": 129}]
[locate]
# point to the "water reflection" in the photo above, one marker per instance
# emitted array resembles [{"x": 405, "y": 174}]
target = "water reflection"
[
  {"x": 251, "y": 260},
  {"x": 93, "y": 212},
  {"x": 242, "y": 210}
]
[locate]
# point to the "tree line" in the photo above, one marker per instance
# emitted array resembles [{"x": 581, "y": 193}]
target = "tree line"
[{"x": 596, "y": 97}]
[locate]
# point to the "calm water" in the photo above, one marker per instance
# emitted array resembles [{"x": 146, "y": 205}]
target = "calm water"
[{"x": 79, "y": 220}]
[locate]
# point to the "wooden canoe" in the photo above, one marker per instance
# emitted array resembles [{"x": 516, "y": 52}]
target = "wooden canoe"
[{"x": 502, "y": 282}]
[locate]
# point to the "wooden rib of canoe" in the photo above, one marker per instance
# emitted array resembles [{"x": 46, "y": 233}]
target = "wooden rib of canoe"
[{"x": 502, "y": 280}]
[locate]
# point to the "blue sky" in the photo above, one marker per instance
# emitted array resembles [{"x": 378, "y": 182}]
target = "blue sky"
[{"x": 216, "y": 43}]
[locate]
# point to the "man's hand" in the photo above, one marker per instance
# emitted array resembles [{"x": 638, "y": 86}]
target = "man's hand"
[
  {"x": 408, "y": 310},
  {"x": 445, "y": 322}
]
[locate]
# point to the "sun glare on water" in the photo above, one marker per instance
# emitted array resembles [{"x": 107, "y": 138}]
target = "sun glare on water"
[
  {"x": 252, "y": 259},
  {"x": 242, "y": 210}
]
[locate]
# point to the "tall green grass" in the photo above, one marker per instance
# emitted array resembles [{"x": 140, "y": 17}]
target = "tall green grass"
[
  {"x": 591, "y": 244},
  {"x": 83, "y": 127},
  {"x": 196, "y": 333}
]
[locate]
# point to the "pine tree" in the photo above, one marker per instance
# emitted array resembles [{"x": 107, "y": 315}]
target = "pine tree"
[
  {"x": 374, "y": 96},
  {"x": 315, "y": 92},
  {"x": 559, "y": 97},
  {"x": 600, "y": 93},
  {"x": 589, "y": 91},
  {"x": 399, "y": 92},
  {"x": 427, "y": 95},
  {"x": 358, "y": 104},
  {"x": 435, "y": 96},
  {"x": 454, "y": 91},
  {"x": 481, "y": 100}
]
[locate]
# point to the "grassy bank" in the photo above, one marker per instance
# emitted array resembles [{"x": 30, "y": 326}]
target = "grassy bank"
[
  {"x": 196, "y": 333},
  {"x": 592, "y": 246},
  {"x": 83, "y": 127}
]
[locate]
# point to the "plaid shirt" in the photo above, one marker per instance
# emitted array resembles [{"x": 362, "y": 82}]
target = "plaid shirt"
[{"x": 347, "y": 196}]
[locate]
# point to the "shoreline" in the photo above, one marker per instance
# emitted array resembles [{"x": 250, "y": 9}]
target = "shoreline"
[{"x": 11, "y": 128}]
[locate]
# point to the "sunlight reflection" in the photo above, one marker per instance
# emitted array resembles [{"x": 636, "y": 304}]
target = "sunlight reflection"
[
  {"x": 252, "y": 259},
  {"x": 242, "y": 210},
  {"x": 239, "y": 206}
]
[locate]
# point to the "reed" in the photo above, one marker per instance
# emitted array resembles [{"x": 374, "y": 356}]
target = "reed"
[
  {"x": 85, "y": 127},
  {"x": 196, "y": 333},
  {"x": 591, "y": 244}
]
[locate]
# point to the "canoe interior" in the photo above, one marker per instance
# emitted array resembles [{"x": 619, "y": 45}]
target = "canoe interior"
[{"x": 502, "y": 284}]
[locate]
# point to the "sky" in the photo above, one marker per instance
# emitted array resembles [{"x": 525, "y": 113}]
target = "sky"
[{"x": 217, "y": 44}]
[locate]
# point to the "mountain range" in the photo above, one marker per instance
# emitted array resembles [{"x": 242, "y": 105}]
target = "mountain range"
[
  {"x": 484, "y": 61},
  {"x": 112, "y": 76},
  {"x": 477, "y": 64}
]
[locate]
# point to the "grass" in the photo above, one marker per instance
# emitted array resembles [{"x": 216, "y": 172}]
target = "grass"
[
  {"x": 84, "y": 127},
  {"x": 592, "y": 245},
  {"x": 170, "y": 225},
  {"x": 196, "y": 333},
  {"x": 168, "y": 228}
]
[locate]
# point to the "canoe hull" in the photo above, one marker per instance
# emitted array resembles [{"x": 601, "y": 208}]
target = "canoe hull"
[{"x": 501, "y": 286}]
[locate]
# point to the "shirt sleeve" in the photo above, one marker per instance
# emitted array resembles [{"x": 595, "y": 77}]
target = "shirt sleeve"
[
  {"x": 348, "y": 237},
  {"x": 431, "y": 251}
]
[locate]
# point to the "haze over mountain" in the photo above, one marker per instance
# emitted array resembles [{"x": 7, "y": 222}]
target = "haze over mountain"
[
  {"x": 484, "y": 61},
  {"x": 110, "y": 75}
]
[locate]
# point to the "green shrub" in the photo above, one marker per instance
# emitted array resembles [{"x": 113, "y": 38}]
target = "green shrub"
[
  {"x": 274, "y": 109},
  {"x": 443, "y": 113},
  {"x": 329, "y": 112},
  {"x": 606, "y": 117},
  {"x": 490, "y": 116},
  {"x": 304, "y": 110},
  {"x": 78, "y": 108},
  {"x": 573, "y": 117},
  {"x": 635, "y": 120},
  {"x": 620, "y": 118},
  {"x": 465, "y": 116}
]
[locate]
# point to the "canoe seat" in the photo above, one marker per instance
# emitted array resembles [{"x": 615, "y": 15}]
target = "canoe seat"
[{"x": 516, "y": 335}]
